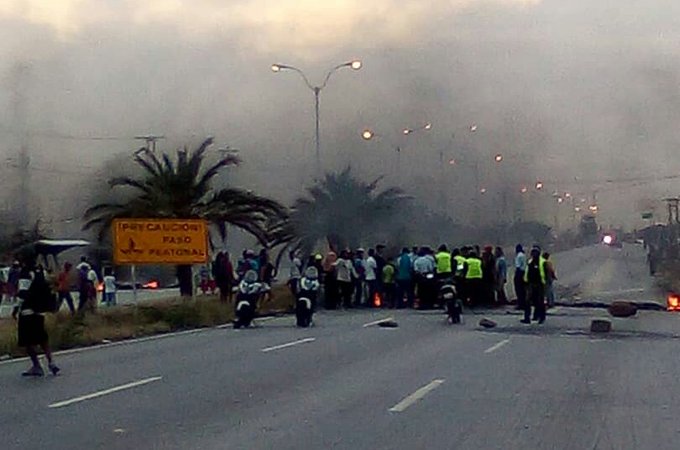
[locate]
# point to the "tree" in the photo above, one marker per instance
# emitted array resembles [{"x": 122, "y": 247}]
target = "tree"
[
  {"x": 180, "y": 188},
  {"x": 340, "y": 209}
]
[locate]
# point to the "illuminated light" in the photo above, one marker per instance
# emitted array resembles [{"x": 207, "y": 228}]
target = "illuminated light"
[
  {"x": 524, "y": 190},
  {"x": 276, "y": 68},
  {"x": 407, "y": 131},
  {"x": 673, "y": 302},
  {"x": 356, "y": 65},
  {"x": 377, "y": 300},
  {"x": 367, "y": 135},
  {"x": 539, "y": 185},
  {"x": 452, "y": 162},
  {"x": 428, "y": 126},
  {"x": 607, "y": 239},
  {"x": 482, "y": 190},
  {"x": 498, "y": 158},
  {"x": 100, "y": 287},
  {"x": 473, "y": 128}
]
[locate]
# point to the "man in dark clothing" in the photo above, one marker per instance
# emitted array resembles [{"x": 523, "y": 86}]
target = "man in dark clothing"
[
  {"x": 518, "y": 279},
  {"x": 488, "y": 276},
  {"x": 535, "y": 278}
]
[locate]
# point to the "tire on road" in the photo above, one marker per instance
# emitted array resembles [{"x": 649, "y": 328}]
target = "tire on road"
[{"x": 622, "y": 309}]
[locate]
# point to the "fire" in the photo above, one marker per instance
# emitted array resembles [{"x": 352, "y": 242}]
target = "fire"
[
  {"x": 100, "y": 287},
  {"x": 153, "y": 284},
  {"x": 377, "y": 301},
  {"x": 673, "y": 302}
]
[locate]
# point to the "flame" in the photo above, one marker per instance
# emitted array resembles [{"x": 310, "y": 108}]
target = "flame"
[
  {"x": 100, "y": 287},
  {"x": 153, "y": 284},
  {"x": 673, "y": 302},
  {"x": 377, "y": 301}
]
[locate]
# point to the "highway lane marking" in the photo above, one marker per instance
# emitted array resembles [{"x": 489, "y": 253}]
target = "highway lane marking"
[
  {"x": 376, "y": 322},
  {"x": 496, "y": 346},
  {"x": 417, "y": 395},
  {"x": 97, "y": 394},
  {"x": 289, "y": 344}
]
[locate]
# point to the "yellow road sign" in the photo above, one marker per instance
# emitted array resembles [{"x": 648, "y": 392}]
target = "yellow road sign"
[{"x": 160, "y": 241}]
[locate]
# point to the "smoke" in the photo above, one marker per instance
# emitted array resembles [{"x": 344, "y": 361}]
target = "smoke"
[{"x": 571, "y": 93}]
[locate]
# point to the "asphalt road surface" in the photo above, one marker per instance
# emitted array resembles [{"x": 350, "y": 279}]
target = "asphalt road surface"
[{"x": 349, "y": 384}]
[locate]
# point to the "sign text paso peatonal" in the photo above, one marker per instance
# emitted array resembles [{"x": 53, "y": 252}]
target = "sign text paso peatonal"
[{"x": 160, "y": 241}]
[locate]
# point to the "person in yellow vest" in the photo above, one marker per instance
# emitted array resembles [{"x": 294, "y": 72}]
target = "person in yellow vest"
[
  {"x": 535, "y": 279},
  {"x": 443, "y": 259},
  {"x": 473, "y": 279}
]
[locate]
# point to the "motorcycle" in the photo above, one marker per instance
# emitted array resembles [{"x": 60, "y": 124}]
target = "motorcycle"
[
  {"x": 448, "y": 296},
  {"x": 247, "y": 296},
  {"x": 306, "y": 297}
]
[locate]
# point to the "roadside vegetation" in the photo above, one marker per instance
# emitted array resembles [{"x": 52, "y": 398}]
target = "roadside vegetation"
[{"x": 125, "y": 322}]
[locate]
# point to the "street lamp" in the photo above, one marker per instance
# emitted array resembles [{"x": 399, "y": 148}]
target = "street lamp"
[{"x": 354, "y": 65}]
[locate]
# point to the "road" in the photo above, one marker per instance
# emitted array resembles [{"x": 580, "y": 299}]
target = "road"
[{"x": 349, "y": 384}]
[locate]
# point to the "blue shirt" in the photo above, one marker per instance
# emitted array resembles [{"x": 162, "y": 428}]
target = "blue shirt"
[
  {"x": 404, "y": 267},
  {"x": 521, "y": 262}
]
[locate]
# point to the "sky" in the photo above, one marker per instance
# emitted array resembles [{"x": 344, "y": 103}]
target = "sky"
[{"x": 572, "y": 93}]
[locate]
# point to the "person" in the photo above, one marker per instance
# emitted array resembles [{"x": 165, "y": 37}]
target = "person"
[
  {"x": 424, "y": 269},
  {"x": 330, "y": 281},
  {"x": 550, "y": 277},
  {"x": 344, "y": 272},
  {"x": 488, "y": 276},
  {"x": 360, "y": 277},
  {"x": 223, "y": 273},
  {"x": 380, "y": 262},
  {"x": 84, "y": 284},
  {"x": 93, "y": 281},
  {"x": 404, "y": 280},
  {"x": 388, "y": 285},
  {"x": 267, "y": 269},
  {"x": 473, "y": 279},
  {"x": 34, "y": 294},
  {"x": 64, "y": 288},
  {"x": 518, "y": 279},
  {"x": 444, "y": 267},
  {"x": 13, "y": 281},
  {"x": 371, "y": 277},
  {"x": 109, "y": 287},
  {"x": 501, "y": 276},
  {"x": 204, "y": 283},
  {"x": 295, "y": 272},
  {"x": 535, "y": 279}
]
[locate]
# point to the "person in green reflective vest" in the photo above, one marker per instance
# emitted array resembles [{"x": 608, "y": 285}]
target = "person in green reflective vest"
[
  {"x": 473, "y": 279},
  {"x": 443, "y": 259}
]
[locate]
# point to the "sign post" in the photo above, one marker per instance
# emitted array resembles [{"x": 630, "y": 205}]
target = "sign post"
[{"x": 159, "y": 241}]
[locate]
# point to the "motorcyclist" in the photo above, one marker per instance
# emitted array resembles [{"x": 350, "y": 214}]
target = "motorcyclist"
[
  {"x": 308, "y": 291},
  {"x": 249, "y": 292}
]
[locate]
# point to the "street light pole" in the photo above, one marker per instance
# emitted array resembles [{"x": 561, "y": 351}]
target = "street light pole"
[{"x": 354, "y": 65}]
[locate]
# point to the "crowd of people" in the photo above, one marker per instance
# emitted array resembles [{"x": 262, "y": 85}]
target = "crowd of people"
[{"x": 412, "y": 278}]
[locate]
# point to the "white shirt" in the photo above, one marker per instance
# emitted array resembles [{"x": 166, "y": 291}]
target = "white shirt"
[
  {"x": 92, "y": 276},
  {"x": 296, "y": 268},
  {"x": 370, "y": 267},
  {"x": 343, "y": 270},
  {"x": 110, "y": 284}
]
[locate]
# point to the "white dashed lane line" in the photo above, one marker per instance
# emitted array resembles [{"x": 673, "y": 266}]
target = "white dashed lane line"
[
  {"x": 496, "y": 346},
  {"x": 417, "y": 395},
  {"x": 288, "y": 344},
  {"x": 104, "y": 392}
]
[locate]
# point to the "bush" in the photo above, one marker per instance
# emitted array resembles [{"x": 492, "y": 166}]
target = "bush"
[{"x": 125, "y": 322}]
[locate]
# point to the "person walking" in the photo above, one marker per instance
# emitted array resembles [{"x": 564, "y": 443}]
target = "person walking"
[
  {"x": 109, "y": 287},
  {"x": 64, "y": 280},
  {"x": 501, "y": 276},
  {"x": 424, "y": 269},
  {"x": 535, "y": 278},
  {"x": 343, "y": 273},
  {"x": 444, "y": 266},
  {"x": 473, "y": 279},
  {"x": 13, "y": 281},
  {"x": 34, "y": 297},
  {"x": 330, "y": 281},
  {"x": 388, "y": 285},
  {"x": 518, "y": 278},
  {"x": 404, "y": 280},
  {"x": 550, "y": 278}
]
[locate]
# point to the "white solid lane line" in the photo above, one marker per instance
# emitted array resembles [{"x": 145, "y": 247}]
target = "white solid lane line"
[
  {"x": 376, "y": 322},
  {"x": 122, "y": 387},
  {"x": 417, "y": 395},
  {"x": 495, "y": 347},
  {"x": 289, "y": 344}
]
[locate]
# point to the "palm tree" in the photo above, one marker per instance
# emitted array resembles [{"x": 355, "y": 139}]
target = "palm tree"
[
  {"x": 179, "y": 188},
  {"x": 340, "y": 209}
]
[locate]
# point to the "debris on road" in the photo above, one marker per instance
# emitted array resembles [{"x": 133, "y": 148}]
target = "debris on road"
[
  {"x": 622, "y": 309},
  {"x": 486, "y": 323},
  {"x": 388, "y": 324},
  {"x": 600, "y": 326}
]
